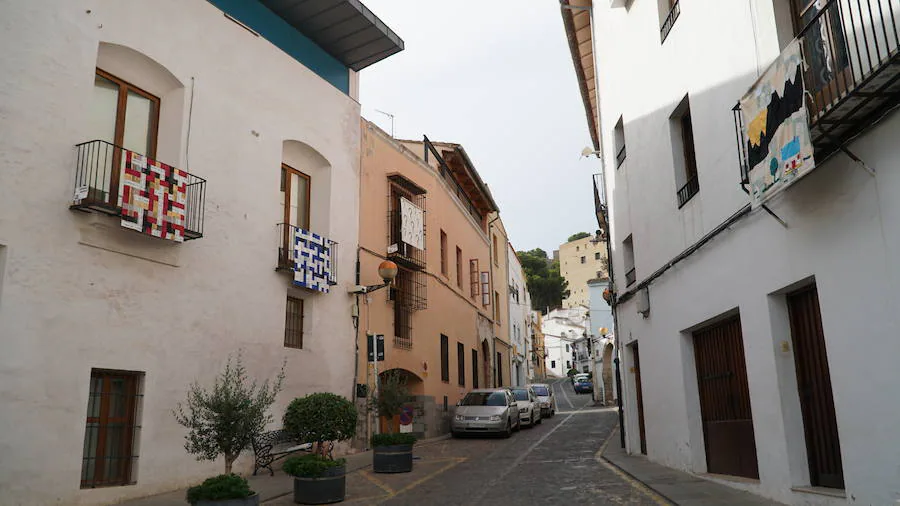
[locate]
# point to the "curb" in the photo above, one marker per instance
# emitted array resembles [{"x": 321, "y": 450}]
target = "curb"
[{"x": 626, "y": 473}]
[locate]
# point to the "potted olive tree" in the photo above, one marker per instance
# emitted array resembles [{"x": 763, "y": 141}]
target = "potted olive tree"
[
  {"x": 392, "y": 451},
  {"x": 221, "y": 421},
  {"x": 321, "y": 419}
]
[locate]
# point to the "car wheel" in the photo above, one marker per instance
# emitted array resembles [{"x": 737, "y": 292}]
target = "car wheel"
[
  {"x": 518, "y": 424},
  {"x": 454, "y": 434},
  {"x": 539, "y": 420},
  {"x": 508, "y": 428}
]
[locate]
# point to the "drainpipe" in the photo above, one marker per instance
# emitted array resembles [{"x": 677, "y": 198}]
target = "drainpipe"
[
  {"x": 355, "y": 320},
  {"x": 490, "y": 298},
  {"x": 608, "y": 236}
]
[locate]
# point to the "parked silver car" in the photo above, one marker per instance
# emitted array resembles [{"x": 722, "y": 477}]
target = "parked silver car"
[
  {"x": 546, "y": 399},
  {"x": 486, "y": 411},
  {"x": 529, "y": 407}
]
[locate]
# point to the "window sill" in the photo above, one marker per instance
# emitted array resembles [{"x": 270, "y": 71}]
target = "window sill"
[{"x": 829, "y": 492}]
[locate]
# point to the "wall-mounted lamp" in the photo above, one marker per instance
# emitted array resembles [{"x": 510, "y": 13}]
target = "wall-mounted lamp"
[
  {"x": 587, "y": 151},
  {"x": 387, "y": 270}
]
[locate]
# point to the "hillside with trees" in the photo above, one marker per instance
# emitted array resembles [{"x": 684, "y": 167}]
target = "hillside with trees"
[{"x": 545, "y": 284}]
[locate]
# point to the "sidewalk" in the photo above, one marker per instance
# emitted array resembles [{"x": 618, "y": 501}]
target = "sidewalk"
[
  {"x": 680, "y": 488},
  {"x": 271, "y": 487}
]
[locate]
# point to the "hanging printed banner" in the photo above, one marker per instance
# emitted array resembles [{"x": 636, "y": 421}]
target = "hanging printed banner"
[
  {"x": 412, "y": 224},
  {"x": 779, "y": 150},
  {"x": 152, "y": 196},
  {"x": 312, "y": 260}
]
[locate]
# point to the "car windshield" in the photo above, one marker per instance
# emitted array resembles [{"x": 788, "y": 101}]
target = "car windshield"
[
  {"x": 542, "y": 391},
  {"x": 521, "y": 394},
  {"x": 484, "y": 399},
  {"x": 583, "y": 379}
]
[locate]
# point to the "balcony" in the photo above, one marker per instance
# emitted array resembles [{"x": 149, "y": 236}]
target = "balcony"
[
  {"x": 406, "y": 223},
  {"x": 852, "y": 74},
  {"x": 630, "y": 277},
  {"x": 620, "y": 157},
  {"x": 686, "y": 192},
  {"x": 150, "y": 197},
  {"x": 310, "y": 257},
  {"x": 669, "y": 22}
]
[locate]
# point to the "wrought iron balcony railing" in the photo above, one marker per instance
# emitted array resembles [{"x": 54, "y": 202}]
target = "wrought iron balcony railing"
[
  {"x": 852, "y": 72},
  {"x": 105, "y": 174},
  {"x": 620, "y": 157},
  {"x": 667, "y": 25},
  {"x": 309, "y": 253},
  {"x": 630, "y": 277},
  {"x": 686, "y": 192}
]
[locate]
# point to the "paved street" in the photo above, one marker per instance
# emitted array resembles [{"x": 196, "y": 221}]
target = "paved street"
[{"x": 553, "y": 463}]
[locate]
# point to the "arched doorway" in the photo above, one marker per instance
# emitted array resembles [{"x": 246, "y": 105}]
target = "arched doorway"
[{"x": 414, "y": 385}]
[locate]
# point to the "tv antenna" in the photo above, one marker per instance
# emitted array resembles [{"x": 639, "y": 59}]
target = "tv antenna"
[{"x": 389, "y": 115}]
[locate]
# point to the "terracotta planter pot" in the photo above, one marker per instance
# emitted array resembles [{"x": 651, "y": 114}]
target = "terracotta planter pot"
[
  {"x": 329, "y": 488},
  {"x": 253, "y": 500},
  {"x": 392, "y": 459}
]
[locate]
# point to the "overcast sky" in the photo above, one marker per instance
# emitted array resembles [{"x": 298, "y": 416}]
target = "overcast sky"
[{"x": 497, "y": 78}]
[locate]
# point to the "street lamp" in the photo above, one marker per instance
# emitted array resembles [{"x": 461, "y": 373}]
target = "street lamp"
[{"x": 387, "y": 271}]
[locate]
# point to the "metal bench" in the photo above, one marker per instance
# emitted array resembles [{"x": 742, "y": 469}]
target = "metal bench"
[{"x": 274, "y": 445}]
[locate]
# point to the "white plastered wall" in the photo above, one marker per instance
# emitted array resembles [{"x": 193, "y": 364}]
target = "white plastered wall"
[
  {"x": 838, "y": 234},
  {"x": 79, "y": 292}
]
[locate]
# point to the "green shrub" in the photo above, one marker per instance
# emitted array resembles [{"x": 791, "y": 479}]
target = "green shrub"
[
  {"x": 393, "y": 439},
  {"x": 223, "y": 486},
  {"x": 310, "y": 466},
  {"x": 223, "y": 419},
  {"x": 320, "y": 418}
]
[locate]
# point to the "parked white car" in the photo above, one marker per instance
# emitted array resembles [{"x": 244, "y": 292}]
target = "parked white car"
[
  {"x": 546, "y": 399},
  {"x": 529, "y": 407}
]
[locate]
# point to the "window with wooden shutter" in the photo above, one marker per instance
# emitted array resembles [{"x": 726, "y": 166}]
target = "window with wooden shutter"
[
  {"x": 474, "y": 280},
  {"x": 111, "y": 430}
]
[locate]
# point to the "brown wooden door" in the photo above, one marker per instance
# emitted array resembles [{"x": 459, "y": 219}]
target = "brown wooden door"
[
  {"x": 823, "y": 447},
  {"x": 725, "y": 400},
  {"x": 640, "y": 398}
]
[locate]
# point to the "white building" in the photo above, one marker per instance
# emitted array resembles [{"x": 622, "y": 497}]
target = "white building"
[
  {"x": 561, "y": 328},
  {"x": 103, "y": 326},
  {"x": 767, "y": 335},
  {"x": 519, "y": 320},
  {"x": 604, "y": 344}
]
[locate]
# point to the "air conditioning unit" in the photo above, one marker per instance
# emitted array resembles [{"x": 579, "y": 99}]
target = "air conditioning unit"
[{"x": 642, "y": 299}]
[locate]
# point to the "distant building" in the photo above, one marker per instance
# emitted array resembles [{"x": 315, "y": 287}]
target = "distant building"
[
  {"x": 580, "y": 261},
  {"x": 519, "y": 316},
  {"x": 538, "y": 348},
  {"x": 561, "y": 328},
  {"x": 438, "y": 315}
]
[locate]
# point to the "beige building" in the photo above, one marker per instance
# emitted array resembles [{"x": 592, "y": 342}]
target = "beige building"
[
  {"x": 430, "y": 214},
  {"x": 580, "y": 261}
]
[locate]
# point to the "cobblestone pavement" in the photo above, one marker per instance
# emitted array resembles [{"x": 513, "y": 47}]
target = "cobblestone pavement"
[{"x": 556, "y": 462}]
